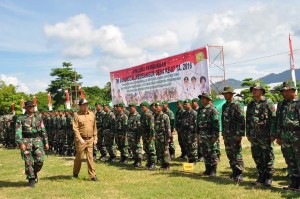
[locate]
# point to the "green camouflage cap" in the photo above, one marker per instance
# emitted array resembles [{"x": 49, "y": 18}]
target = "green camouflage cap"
[
  {"x": 206, "y": 95},
  {"x": 98, "y": 103},
  {"x": 187, "y": 101},
  {"x": 180, "y": 101},
  {"x": 158, "y": 103},
  {"x": 288, "y": 85},
  {"x": 144, "y": 104},
  {"x": 122, "y": 104},
  {"x": 228, "y": 89},
  {"x": 195, "y": 100},
  {"x": 259, "y": 86},
  {"x": 132, "y": 104},
  {"x": 105, "y": 104},
  {"x": 165, "y": 102}
]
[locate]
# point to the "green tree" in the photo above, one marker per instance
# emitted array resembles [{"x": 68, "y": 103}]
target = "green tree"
[{"x": 65, "y": 79}]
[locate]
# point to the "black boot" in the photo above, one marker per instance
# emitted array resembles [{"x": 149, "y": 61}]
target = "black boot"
[
  {"x": 294, "y": 184},
  {"x": 268, "y": 179},
  {"x": 151, "y": 166},
  {"x": 233, "y": 175},
  {"x": 261, "y": 178},
  {"x": 239, "y": 175},
  {"x": 138, "y": 163},
  {"x": 213, "y": 172},
  {"x": 207, "y": 170},
  {"x": 31, "y": 183}
]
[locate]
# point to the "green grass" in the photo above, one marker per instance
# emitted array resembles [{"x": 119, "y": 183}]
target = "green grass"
[{"x": 124, "y": 181}]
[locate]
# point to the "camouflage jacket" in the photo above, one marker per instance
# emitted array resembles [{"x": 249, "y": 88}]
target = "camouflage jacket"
[
  {"x": 109, "y": 120},
  {"x": 147, "y": 123},
  {"x": 30, "y": 125},
  {"x": 260, "y": 118},
  {"x": 61, "y": 123},
  {"x": 233, "y": 120},
  {"x": 171, "y": 117},
  {"x": 121, "y": 123},
  {"x": 208, "y": 121},
  {"x": 134, "y": 122},
  {"x": 162, "y": 125},
  {"x": 99, "y": 119},
  {"x": 69, "y": 123},
  {"x": 189, "y": 121},
  {"x": 179, "y": 119},
  {"x": 289, "y": 116}
]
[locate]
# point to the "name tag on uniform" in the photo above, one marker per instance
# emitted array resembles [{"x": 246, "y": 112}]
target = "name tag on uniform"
[{"x": 188, "y": 166}]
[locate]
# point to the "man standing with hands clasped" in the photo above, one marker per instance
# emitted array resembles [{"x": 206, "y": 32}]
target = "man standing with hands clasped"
[{"x": 84, "y": 126}]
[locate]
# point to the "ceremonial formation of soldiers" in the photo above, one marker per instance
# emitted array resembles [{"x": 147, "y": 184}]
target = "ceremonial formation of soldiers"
[{"x": 197, "y": 123}]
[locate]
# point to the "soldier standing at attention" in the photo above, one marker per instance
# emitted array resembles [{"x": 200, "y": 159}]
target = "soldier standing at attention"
[
  {"x": 148, "y": 134},
  {"x": 208, "y": 130},
  {"x": 195, "y": 106},
  {"x": 179, "y": 126},
  {"x": 260, "y": 120},
  {"x": 288, "y": 130},
  {"x": 30, "y": 134},
  {"x": 99, "y": 122},
  {"x": 85, "y": 130},
  {"x": 233, "y": 129},
  {"x": 189, "y": 131},
  {"x": 170, "y": 113},
  {"x": 163, "y": 136},
  {"x": 134, "y": 134},
  {"x": 109, "y": 120}
]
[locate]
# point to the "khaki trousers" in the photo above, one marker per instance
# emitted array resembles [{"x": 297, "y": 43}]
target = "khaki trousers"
[{"x": 86, "y": 148}]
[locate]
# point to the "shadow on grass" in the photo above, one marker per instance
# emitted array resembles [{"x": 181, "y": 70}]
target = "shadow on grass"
[
  {"x": 13, "y": 184},
  {"x": 59, "y": 177}
]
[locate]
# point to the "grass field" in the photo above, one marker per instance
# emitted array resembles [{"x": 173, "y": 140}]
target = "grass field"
[{"x": 124, "y": 181}]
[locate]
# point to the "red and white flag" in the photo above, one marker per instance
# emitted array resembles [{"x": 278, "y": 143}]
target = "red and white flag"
[
  {"x": 23, "y": 106},
  {"x": 49, "y": 102},
  {"x": 13, "y": 108},
  {"x": 68, "y": 105},
  {"x": 292, "y": 63},
  {"x": 81, "y": 92},
  {"x": 35, "y": 103}
]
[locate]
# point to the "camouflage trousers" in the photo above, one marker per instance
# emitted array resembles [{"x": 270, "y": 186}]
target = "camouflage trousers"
[
  {"x": 209, "y": 150},
  {"x": 149, "y": 148},
  {"x": 190, "y": 140},
  {"x": 181, "y": 142},
  {"x": 100, "y": 144},
  {"x": 263, "y": 154},
  {"x": 162, "y": 149},
  {"x": 290, "y": 147},
  {"x": 134, "y": 143},
  {"x": 33, "y": 156},
  {"x": 172, "y": 148},
  {"x": 122, "y": 144},
  {"x": 109, "y": 142},
  {"x": 233, "y": 150}
]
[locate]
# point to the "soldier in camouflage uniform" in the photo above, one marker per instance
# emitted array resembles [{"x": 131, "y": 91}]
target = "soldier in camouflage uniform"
[
  {"x": 109, "y": 120},
  {"x": 179, "y": 126},
  {"x": 121, "y": 133},
  {"x": 148, "y": 134},
  {"x": 130, "y": 155},
  {"x": 50, "y": 130},
  {"x": 233, "y": 129},
  {"x": 208, "y": 131},
  {"x": 260, "y": 120},
  {"x": 134, "y": 134},
  {"x": 288, "y": 131},
  {"x": 195, "y": 106},
  {"x": 163, "y": 136},
  {"x": 190, "y": 137},
  {"x": 171, "y": 115},
  {"x": 99, "y": 121},
  {"x": 70, "y": 132},
  {"x": 30, "y": 134},
  {"x": 61, "y": 133}
]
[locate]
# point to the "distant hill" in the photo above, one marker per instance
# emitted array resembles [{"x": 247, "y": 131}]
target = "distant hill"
[
  {"x": 229, "y": 82},
  {"x": 280, "y": 77}
]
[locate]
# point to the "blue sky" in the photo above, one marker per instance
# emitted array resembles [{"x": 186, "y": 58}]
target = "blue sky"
[{"x": 102, "y": 36}]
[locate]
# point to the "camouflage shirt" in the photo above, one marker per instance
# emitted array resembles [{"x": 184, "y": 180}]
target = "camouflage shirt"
[
  {"x": 260, "y": 117},
  {"x": 147, "y": 123},
  {"x": 121, "y": 123},
  {"x": 162, "y": 125},
  {"x": 189, "y": 121},
  {"x": 30, "y": 125},
  {"x": 208, "y": 121},
  {"x": 233, "y": 120},
  {"x": 179, "y": 119},
  {"x": 99, "y": 119},
  {"x": 171, "y": 116},
  {"x": 134, "y": 122},
  {"x": 109, "y": 120}
]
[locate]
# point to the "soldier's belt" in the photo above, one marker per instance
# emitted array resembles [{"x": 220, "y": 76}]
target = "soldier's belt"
[{"x": 30, "y": 135}]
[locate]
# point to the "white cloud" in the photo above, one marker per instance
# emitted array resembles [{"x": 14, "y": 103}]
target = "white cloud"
[
  {"x": 21, "y": 87},
  {"x": 165, "y": 41},
  {"x": 81, "y": 38}
]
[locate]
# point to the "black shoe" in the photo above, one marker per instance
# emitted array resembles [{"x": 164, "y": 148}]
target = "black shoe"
[
  {"x": 213, "y": 171},
  {"x": 102, "y": 158},
  {"x": 182, "y": 156},
  {"x": 112, "y": 159},
  {"x": 151, "y": 166},
  {"x": 36, "y": 179},
  {"x": 201, "y": 159},
  {"x": 124, "y": 160},
  {"x": 31, "y": 183},
  {"x": 261, "y": 178},
  {"x": 207, "y": 170},
  {"x": 138, "y": 164},
  {"x": 239, "y": 178},
  {"x": 94, "y": 179},
  {"x": 75, "y": 175},
  {"x": 165, "y": 167}
]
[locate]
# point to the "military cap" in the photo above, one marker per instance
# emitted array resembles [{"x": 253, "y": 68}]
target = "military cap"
[
  {"x": 258, "y": 85},
  {"x": 122, "y": 104},
  {"x": 157, "y": 103},
  {"x": 29, "y": 104},
  {"x": 193, "y": 78},
  {"x": 144, "y": 104},
  {"x": 186, "y": 79},
  {"x": 165, "y": 102},
  {"x": 195, "y": 100},
  {"x": 288, "y": 85},
  {"x": 180, "y": 101},
  {"x": 98, "y": 103},
  {"x": 206, "y": 95},
  {"x": 228, "y": 89},
  {"x": 187, "y": 101},
  {"x": 83, "y": 101},
  {"x": 106, "y": 104},
  {"x": 132, "y": 104}
]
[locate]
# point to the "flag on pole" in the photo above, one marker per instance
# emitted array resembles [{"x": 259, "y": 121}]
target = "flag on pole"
[
  {"x": 81, "y": 92},
  {"x": 49, "y": 102},
  {"x": 35, "y": 104},
  {"x": 68, "y": 105},
  {"x": 23, "y": 106},
  {"x": 13, "y": 108},
  {"x": 292, "y": 63}
]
